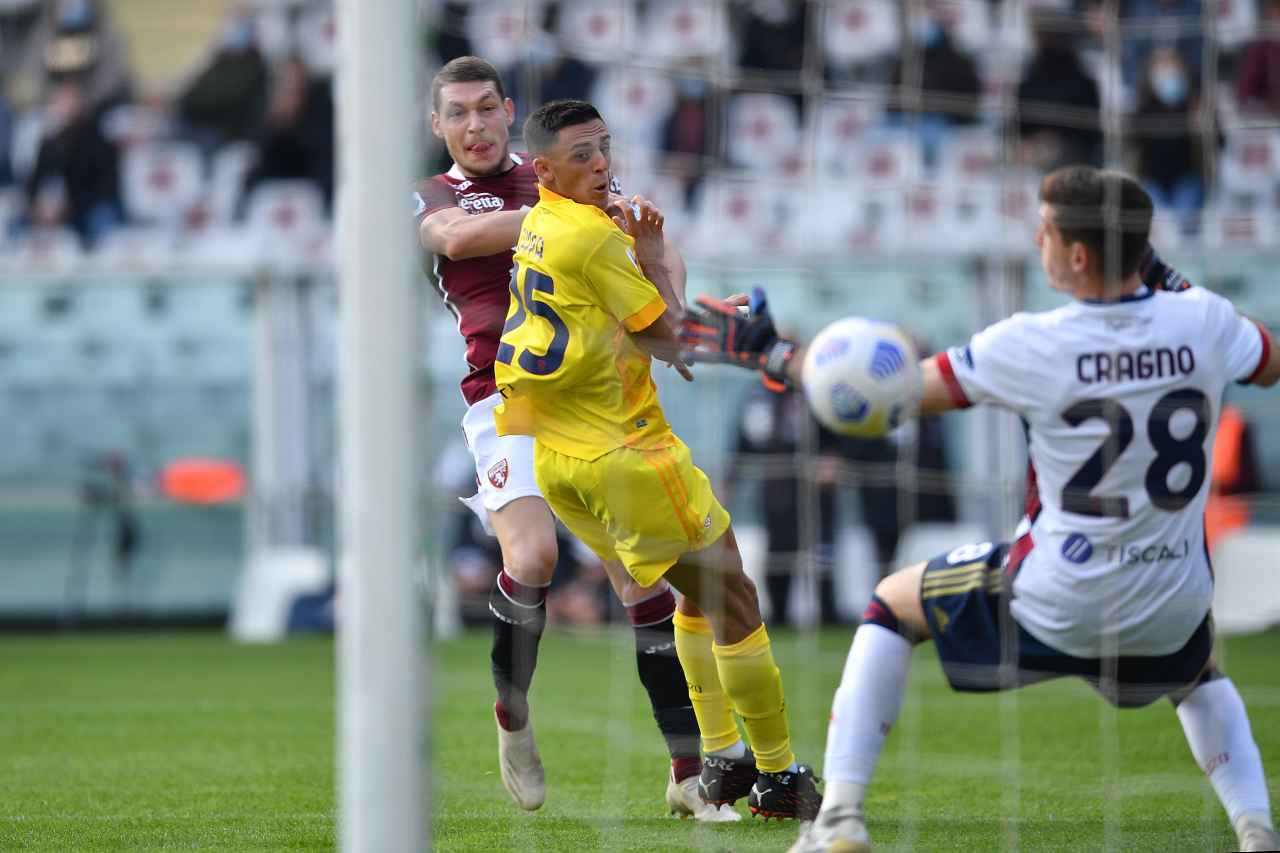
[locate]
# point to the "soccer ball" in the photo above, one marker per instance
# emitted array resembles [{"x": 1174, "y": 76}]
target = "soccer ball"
[{"x": 862, "y": 377}]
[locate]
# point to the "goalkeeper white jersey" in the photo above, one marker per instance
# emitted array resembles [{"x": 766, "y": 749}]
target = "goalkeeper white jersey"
[{"x": 1120, "y": 401}]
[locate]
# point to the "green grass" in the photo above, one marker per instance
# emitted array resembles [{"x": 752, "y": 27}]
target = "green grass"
[{"x": 188, "y": 742}]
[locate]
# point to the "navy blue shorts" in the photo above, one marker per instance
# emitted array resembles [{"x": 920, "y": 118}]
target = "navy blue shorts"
[{"x": 965, "y": 596}]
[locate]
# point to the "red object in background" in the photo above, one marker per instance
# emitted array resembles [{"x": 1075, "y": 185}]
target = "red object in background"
[{"x": 202, "y": 481}]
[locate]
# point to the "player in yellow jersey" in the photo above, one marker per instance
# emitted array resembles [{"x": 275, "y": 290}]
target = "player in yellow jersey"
[{"x": 589, "y": 305}]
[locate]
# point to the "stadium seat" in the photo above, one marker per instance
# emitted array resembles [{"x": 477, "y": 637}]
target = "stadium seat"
[
  {"x": 596, "y": 30},
  {"x": 317, "y": 37},
  {"x": 764, "y": 133},
  {"x": 972, "y": 211},
  {"x": 678, "y": 30},
  {"x": 635, "y": 102},
  {"x": 1235, "y": 22},
  {"x": 968, "y": 156},
  {"x": 1250, "y": 163},
  {"x": 888, "y": 159},
  {"x": 924, "y": 541},
  {"x": 227, "y": 171},
  {"x": 500, "y": 31},
  {"x": 737, "y": 216},
  {"x": 1246, "y": 597},
  {"x": 840, "y": 123},
  {"x": 283, "y": 220},
  {"x": 856, "y": 32},
  {"x": 1018, "y": 205},
  {"x": 48, "y": 250},
  {"x": 135, "y": 124},
  {"x": 969, "y": 22},
  {"x": 1251, "y": 226},
  {"x": 136, "y": 248},
  {"x": 161, "y": 181}
]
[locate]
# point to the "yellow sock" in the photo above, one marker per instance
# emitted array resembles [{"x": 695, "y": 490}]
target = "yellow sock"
[
  {"x": 754, "y": 685},
  {"x": 710, "y": 704}
]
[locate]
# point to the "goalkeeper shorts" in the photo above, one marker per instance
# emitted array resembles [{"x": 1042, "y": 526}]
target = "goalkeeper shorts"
[{"x": 644, "y": 508}]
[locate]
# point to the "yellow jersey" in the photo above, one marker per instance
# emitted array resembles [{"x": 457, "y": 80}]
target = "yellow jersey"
[{"x": 569, "y": 372}]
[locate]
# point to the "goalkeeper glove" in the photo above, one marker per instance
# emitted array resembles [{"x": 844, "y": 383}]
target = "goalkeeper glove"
[
  {"x": 1157, "y": 275},
  {"x": 721, "y": 333}
]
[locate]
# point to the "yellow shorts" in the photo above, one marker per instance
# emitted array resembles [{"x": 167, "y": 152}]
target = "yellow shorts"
[{"x": 644, "y": 508}]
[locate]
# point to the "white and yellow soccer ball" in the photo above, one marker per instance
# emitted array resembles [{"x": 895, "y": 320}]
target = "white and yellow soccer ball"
[{"x": 862, "y": 377}]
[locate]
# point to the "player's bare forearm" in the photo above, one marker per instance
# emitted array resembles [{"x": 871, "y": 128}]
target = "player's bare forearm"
[
  {"x": 459, "y": 235},
  {"x": 676, "y": 269},
  {"x": 1270, "y": 372},
  {"x": 936, "y": 397}
]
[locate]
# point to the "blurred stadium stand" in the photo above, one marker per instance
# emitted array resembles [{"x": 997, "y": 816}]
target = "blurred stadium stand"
[{"x": 771, "y": 133}]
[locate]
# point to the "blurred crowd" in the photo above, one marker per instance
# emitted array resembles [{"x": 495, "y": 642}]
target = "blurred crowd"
[
  {"x": 743, "y": 87},
  {"x": 1186, "y": 93},
  {"x": 86, "y": 148}
]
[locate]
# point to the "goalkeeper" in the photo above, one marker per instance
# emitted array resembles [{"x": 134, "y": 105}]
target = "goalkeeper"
[{"x": 1109, "y": 579}]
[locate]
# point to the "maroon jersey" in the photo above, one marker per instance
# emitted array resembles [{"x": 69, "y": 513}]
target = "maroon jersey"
[{"x": 476, "y": 289}]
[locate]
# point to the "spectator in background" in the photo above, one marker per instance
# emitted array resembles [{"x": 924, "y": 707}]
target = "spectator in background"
[
  {"x": 894, "y": 496},
  {"x": 225, "y": 99},
  {"x": 1058, "y": 108},
  {"x": 773, "y": 35},
  {"x": 77, "y": 40},
  {"x": 547, "y": 73},
  {"x": 1154, "y": 24},
  {"x": 76, "y": 180},
  {"x": 1258, "y": 72},
  {"x": 296, "y": 141},
  {"x": 934, "y": 81},
  {"x": 777, "y": 433},
  {"x": 1174, "y": 138},
  {"x": 689, "y": 132}
]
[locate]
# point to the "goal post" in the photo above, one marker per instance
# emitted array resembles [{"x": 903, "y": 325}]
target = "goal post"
[{"x": 382, "y": 725}]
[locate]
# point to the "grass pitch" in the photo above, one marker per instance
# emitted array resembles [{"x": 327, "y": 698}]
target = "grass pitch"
[{"x": 189, "y": 742}]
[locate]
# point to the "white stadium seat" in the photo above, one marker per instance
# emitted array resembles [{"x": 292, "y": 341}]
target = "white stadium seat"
[
  {"x": 317, "y": 35},
  {"x": 1234, "y": 22},
  {"x": 888, "y": 159},
  {"x": 1246, "y": 596},
  {"x": 676, "y": 30},
  {"x": 966, "y": 156},
  {"x": 739, "y": 217},
  {"x": 1251, "y": 161},
  {"x": 596, "y": 30},
  {"x": 1247, "y": 226},
  {"x": 283, "y": 221},
  {"x": 860, "y": 31},
  {"x": 230, "y": 164},
  {"x": 635, "y": 103},
  {"x": 969, "y": 22},
  {"x": 499, "y": 31},
  {"x": 841, "y": 123},
  {"x": 136, "y": 248},
  {"x": 162, "y": 181},
  {"x": 48, "y": 250},
  {"x": 764, "y": 132}
]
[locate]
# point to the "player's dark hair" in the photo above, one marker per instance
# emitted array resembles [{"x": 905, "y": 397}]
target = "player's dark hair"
[
  {"x": 542, "y": 125},
  {"x": 1108, "y": 211},
  {"x": 465, "y": 69}
]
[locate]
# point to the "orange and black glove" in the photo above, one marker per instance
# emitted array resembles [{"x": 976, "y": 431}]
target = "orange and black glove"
[{"x": 722, "y": 333}]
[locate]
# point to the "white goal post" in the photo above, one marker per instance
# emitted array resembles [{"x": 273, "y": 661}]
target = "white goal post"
[{"x": 382, "y": 721}]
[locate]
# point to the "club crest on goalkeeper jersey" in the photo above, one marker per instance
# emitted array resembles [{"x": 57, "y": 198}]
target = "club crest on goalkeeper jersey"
[{"x": 569, "y": 371}]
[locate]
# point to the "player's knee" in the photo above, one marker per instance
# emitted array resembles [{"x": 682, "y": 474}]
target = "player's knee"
[
  {"x": 531, "y": 559},
  {"x": 896, "y": 604}
]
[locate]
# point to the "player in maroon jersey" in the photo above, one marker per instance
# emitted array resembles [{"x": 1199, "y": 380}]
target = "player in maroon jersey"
[{"x": 469, "y": 218}]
